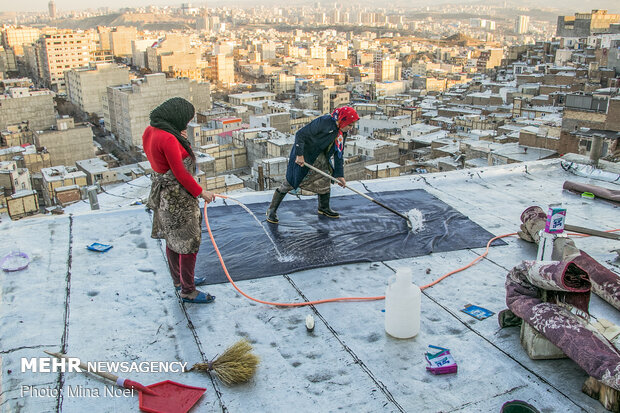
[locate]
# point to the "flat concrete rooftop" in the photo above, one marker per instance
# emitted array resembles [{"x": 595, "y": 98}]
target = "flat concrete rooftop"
[{"x": 121, "y": 306}]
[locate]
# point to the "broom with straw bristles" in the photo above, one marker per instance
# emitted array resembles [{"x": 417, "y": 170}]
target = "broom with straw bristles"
[{"x": 236, "y": 365}]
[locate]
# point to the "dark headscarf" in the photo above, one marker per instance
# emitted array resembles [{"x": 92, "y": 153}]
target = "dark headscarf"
[{"x": 173, "y": 116}]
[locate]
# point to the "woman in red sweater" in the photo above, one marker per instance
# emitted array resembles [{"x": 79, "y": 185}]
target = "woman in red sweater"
[{"x": 174, "y": 194}]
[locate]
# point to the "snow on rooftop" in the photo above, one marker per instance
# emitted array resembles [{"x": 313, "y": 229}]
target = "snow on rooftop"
[
  {"x": 116, "y": 196},
  {"x": 521, "y": 153},
  {"x": 362, "y": 141},
  {"x": 278, "y": 159},
  {"x": 443, "y": 119},
  {"x": 252, "y": 95},
  {"x": 283, "y": 140},
  {"x": 231, "y": 179},
  {"x": 477, "y": 163},
  {"x": 426, "y": 138},
  {"x": 121, "y": 306},
  {"x": 485, "y": 94},
  {"x": 93, "y": 165},
  {"x": 420, "y": 127},
  {"x": 382, "y": 166},
  {"x": 12, "y": 150},
  {"x": 202, "y": 157}
]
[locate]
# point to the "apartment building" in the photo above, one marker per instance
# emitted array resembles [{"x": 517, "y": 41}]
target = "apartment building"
[
  {"x": 68, "y": 143},
  {"x": 138, "y": 51},
  {"x": 279, "y": 121},
  {"x": 60, "y": 52},
  {"x": 379, "y": 150},
  {"x": 522, "y": 24},
  {"x": 97, "y": 171},
  {"x": 33, "y": 62},
  {"x": 13, "y": 178},
  {"x": 8, "y": 63},
  {"x": 489, "y": 59},
  {"x": 120, "y": 40},
  {"x": 51, "y": 8},
  {"x": 584, "y": 24},
  {"x": 86, "y": 86},
  {"x": 280, "y": 146},
  {"x": 126, "y": 108},
  {"x": 17, "y": 37},
  {"x": 19, "y": 105},
  {"x": 103, "y": 38},
  {"x": 171, "y": 44},
  {"x": 223, "y": 69},
  {"x": 387, "y": 69},
  {"x": 21, "y": 204},
  {"x": 267, "y": 50},
  {"x": 213, "y": 131},
  {"x": 61, "y": 184},
  {"x": 588, "y": 117},
  {"x": 226, "y": 157},
  {"x": 338, "y": 98},
  {"x": 367, "y": 125},
  {"x": 282, "y": 83},
  {"x": 182, "y": 64},
  {"x": 34, "y": 159},
  {"x": 238, "y": 99},
  {"x": 382, "y": 170}
]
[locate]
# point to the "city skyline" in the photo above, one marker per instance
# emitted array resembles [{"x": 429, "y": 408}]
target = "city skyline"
[{"x": 69, "y": 5}]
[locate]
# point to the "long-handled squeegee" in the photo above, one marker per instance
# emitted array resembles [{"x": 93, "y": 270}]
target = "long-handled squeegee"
[{"x": 403, "y": 216}]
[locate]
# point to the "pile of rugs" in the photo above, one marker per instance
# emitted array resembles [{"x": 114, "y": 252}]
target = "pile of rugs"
[{"x": 553, "y": 298}]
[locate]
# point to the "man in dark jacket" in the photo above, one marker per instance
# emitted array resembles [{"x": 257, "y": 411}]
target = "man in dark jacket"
[{"x": 315, "y": 144}]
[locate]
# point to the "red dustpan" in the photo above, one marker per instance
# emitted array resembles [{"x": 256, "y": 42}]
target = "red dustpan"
[
  {"x": 169, "y": 397},
  {"x": 163, "y": 397}
]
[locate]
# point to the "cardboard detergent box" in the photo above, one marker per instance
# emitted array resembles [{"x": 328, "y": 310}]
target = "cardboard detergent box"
[{"x": 555, "y": 220}]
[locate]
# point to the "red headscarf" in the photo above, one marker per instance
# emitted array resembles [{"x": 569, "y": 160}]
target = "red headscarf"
[{"x": 343, "y": 116}]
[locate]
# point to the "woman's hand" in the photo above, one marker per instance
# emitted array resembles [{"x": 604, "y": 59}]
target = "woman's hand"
[
  {"x": 300, "y": 160},
  {"x": 342, "y": 182},
  {"x": 208, "y": 196}
]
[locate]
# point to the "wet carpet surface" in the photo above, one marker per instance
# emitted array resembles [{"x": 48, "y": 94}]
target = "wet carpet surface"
[{"x": 303, "y": 239}]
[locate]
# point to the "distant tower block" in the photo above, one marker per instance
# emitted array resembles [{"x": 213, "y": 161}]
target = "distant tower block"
[
  {"x": 522, "y": 24},
  {"x": 52, "y": 9}
]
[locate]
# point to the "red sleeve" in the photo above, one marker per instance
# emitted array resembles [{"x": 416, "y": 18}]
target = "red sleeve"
[{"x": 173, "y": 152}]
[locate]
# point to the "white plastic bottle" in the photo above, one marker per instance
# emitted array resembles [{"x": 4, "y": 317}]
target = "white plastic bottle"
[{"x": 402, "y": 305}]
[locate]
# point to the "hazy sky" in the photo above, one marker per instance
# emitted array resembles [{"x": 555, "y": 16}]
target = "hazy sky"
[{"x": 65, "y": 5}]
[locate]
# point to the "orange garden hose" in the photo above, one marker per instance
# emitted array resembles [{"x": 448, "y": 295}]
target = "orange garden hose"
[{"x": 337, "y": 299}]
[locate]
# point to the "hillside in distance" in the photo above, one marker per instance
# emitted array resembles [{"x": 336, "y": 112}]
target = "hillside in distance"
[{"x": 142, "y": 21}]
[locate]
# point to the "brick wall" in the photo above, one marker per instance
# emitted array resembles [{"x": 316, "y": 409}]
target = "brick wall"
[
  {"x": 588, "y": 119},
  {"x": 536, "y": 141},
  {"x": 613, "y": 115},
  {"x": 68, "y": 197}
]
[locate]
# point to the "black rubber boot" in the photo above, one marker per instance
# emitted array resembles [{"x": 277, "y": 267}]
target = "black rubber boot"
[
  {"x": 273, "y": 207},
  {"x": 324, "y": 208}
]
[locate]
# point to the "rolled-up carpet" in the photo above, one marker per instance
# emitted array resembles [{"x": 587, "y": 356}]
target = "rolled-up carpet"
[
  {"x": 605, "y": 283},
  {"x": 598, "y": 191},
  {"x": 543, "y": 294}
]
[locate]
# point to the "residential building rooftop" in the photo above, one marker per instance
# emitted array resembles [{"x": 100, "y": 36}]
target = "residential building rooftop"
[{"x": 347, "y": 362}]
